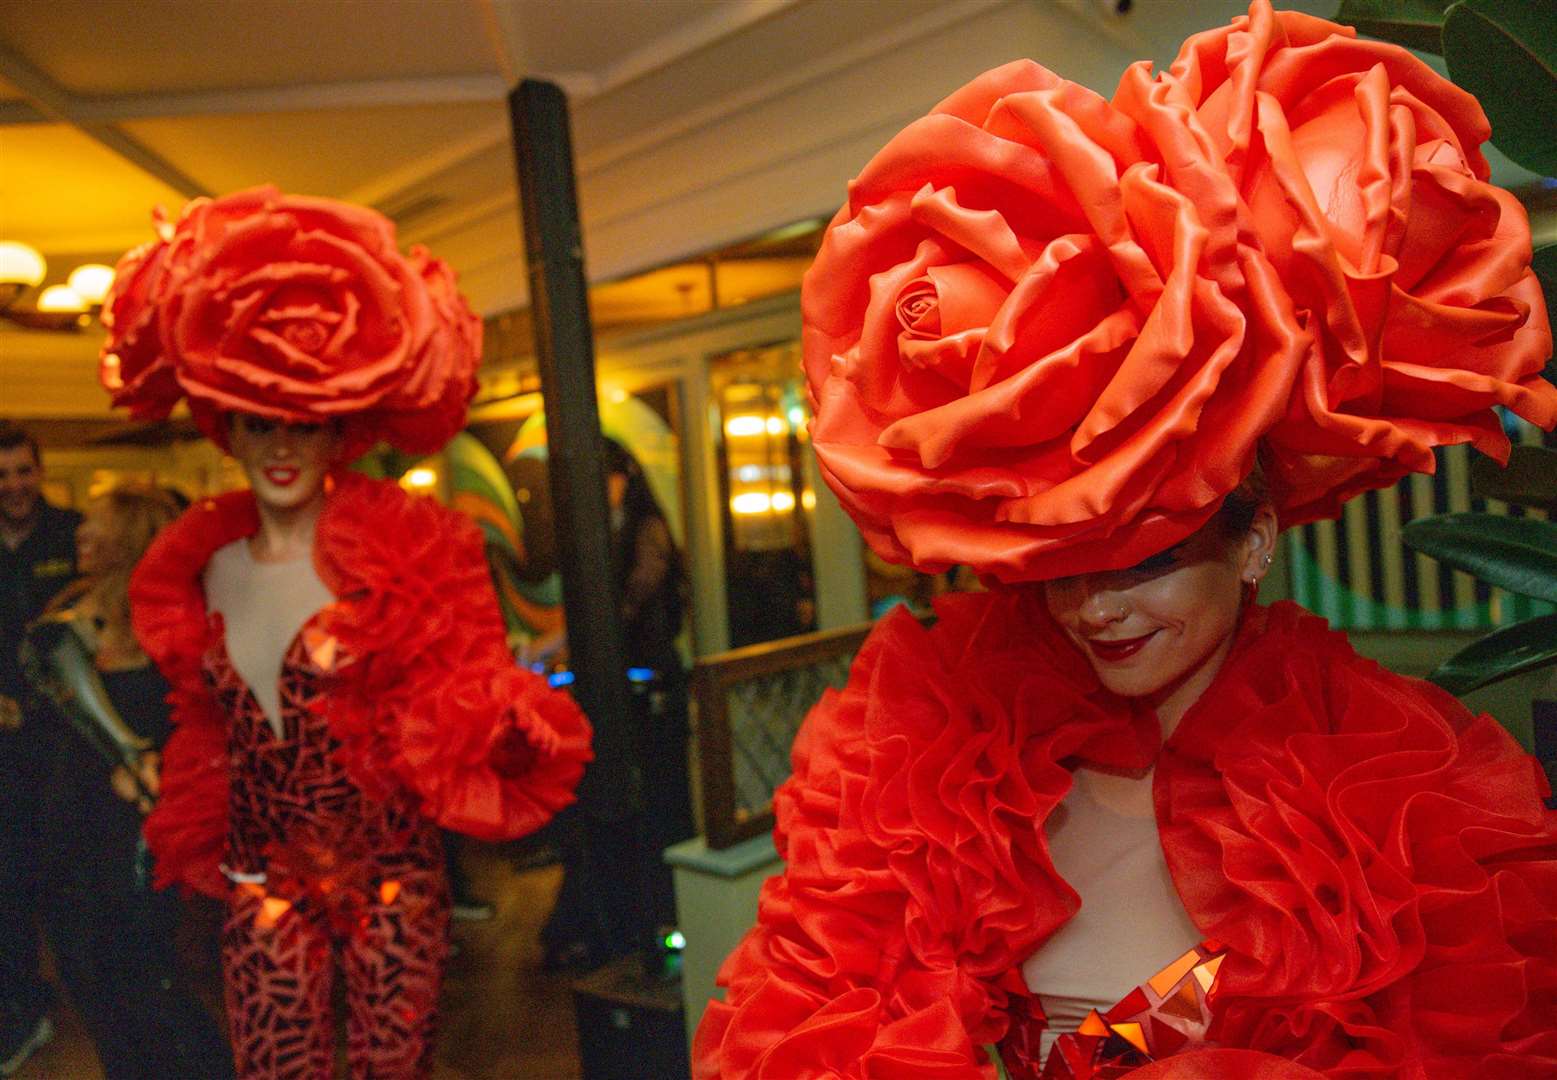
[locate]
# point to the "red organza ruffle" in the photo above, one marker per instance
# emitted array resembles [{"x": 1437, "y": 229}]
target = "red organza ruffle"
[
  {"x": 187, "y": 830},
  {"x": 428, "y": 698},
  {"x": 489, "y": 748},
  {"x": 917, "y": 866},
  {"x": 1377, "y": 860}
]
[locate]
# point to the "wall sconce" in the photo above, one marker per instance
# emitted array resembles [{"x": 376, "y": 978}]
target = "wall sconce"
[{"x": 71, "y": 306}]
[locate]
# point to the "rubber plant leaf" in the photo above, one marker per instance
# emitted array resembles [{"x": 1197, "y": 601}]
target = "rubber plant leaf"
[
  {"x": 1529, "y": 478},
  {"x": 1516, "y": 554},
  {"x": 1416, "y": 24},
  {"x": 1505, "y": 52},
  {"x": 1500, "y": 655}
]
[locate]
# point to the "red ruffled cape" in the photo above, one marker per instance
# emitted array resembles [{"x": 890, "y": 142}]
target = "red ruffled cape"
[
  {"x": 1376, "y": 859},
  {"x": 429, "y": 699}
]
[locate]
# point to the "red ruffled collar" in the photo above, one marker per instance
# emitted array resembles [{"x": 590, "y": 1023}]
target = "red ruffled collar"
[{"x": 169, "y": 611}]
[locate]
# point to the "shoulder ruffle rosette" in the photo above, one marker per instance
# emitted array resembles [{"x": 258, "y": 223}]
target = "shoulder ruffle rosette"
[
  {"x": 433, "y": 699},
  {"x": 1377, "y": 860},
  {"x": 1050, "y": 332},
  {"x": 917, "y": 874},
  {"x": 297, "y": 308}
]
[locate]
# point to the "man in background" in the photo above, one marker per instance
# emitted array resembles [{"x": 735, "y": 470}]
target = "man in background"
[{"x": 37, "y": 558}]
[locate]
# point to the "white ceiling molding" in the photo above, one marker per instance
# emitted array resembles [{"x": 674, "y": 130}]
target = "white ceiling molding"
[
  {"x": 430, "y": 90},
  {"x": 846, "y": 57},
  {"x": 63, "y": 107},
  {"x": 722, "y": 21}
]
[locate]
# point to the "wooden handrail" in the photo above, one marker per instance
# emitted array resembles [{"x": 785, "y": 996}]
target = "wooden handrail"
[
  {"x": 712, "y": 676},
  {"x": 724, "y": 823}
]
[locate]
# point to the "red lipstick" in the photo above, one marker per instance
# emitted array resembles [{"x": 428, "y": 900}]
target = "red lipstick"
[
  {"x": 1114, "y": 651},
  {"x": 281, "y": 475}
]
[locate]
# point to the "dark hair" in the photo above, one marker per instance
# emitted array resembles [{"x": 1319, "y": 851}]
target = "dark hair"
[
  {"x": 638, "y": 502},
  {"x": 1235, "y": 517},
  {"x": 639, "y": 507},
  {"x": 13, "y": 435}
]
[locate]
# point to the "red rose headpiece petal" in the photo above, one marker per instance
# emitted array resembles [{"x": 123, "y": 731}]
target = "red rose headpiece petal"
[
  {"x": 296, "y": 308},
  {"x": 1049, "y": 333}
]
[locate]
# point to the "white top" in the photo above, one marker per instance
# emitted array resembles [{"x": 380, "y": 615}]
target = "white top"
[
  {"x": 1103, "y": 839},
  {"x": 264, "y": 606}
]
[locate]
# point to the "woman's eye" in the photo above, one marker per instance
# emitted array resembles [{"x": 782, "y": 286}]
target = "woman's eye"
[{"x": 1154, "y": 565}]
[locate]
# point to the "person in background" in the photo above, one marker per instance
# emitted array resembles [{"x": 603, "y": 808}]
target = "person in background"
[
  {"x": 37, "y": 557},
  {"x": 587, "y": 925},
  {"x": 112, "y": 935},
  {"x": 651, "y": 587}
]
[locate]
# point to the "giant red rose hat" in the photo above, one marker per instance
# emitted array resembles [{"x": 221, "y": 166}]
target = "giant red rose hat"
[
  {"x": 1049, "y": 333},
  {"x": 296, "y": 308}
]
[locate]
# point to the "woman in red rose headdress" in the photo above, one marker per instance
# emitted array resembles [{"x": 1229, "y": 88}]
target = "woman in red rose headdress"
[
  {"x": 342, "y": 688},
  {"x": 1100, "y": 351}
]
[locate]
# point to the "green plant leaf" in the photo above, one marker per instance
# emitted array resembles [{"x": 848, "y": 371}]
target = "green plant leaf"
[
  {"x": 1416, "y": 24},
  {"x": 1505, "y": 52},
  {"x": 1500, "y": 655},
  {"x": 1544, "y": 263},
  {"x": 1529, "y": 479},
  {"x": 1517, "y": 554}
]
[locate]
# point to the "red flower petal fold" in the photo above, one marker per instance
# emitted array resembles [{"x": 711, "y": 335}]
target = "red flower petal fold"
[
  {"x": 295, "y": 308},
  {"x": 1049, "y": 333}
]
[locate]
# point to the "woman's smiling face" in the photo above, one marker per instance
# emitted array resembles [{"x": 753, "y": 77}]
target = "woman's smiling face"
[
  {"x": 1160, "y": 630},
  {"x": 286, "y": 463}
]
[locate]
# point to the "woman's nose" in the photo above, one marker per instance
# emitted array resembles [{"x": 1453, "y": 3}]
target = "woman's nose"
[{"x": 1103, "y": 606}]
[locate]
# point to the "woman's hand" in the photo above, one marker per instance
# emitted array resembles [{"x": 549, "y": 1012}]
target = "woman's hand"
[{"x": 148, "y": 772}]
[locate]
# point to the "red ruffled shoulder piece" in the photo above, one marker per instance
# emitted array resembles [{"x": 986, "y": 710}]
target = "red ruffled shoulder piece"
[
  {"x": 917, "y": 876},
  {"x": 1377, "y": 859},
  {"x": 187, "y": 832},
  {"x": 432, "y": 699}
]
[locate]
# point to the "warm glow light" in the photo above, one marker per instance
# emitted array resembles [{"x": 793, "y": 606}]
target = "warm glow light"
[
  {"x": 60, "y": 298},
  {"x": 783, "y": 501},
  {"x": 739, "y": 426},
  {"x": 808, "y": 499},
  {"x": 91, "y": 281},
  {"x": 20, "y": 264},
  {"x": 797, "y": 416},
  {"x": 751, "y": 474},
  {"x": 420, "y": 478},
  {"x": 272, "y": 908},
  {"x": 752, "y": 502},
  {"x": 776, "y": 425}
]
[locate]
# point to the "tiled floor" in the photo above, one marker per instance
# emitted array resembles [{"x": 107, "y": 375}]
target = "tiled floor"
[{"x": 503, "y": 1018}]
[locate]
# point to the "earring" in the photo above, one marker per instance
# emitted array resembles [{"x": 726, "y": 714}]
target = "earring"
[{"x": 1265, "y": 560}]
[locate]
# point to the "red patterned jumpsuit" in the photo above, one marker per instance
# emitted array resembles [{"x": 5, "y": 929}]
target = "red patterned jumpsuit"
[
  {"x": 313, "y": 809},
  {"x": 322, "y": 872}
]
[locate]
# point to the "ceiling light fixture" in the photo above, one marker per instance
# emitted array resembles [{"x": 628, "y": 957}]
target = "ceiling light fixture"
[{"x": 70, "y": 306}]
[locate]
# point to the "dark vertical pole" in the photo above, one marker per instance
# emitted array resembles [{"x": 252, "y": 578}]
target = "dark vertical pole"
[{"x": 565, "y": 349}]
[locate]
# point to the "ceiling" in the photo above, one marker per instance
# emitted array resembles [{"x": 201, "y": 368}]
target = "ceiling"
[{"x": 108, "y": 108}]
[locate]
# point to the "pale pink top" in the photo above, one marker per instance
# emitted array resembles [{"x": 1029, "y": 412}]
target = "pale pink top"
[
  {"x": 263, "y": 606},
  {"x": 1103, "y": 839}
]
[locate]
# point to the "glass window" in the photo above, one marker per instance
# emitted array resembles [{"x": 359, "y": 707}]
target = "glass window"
[{"x": 760, "y": 415}]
